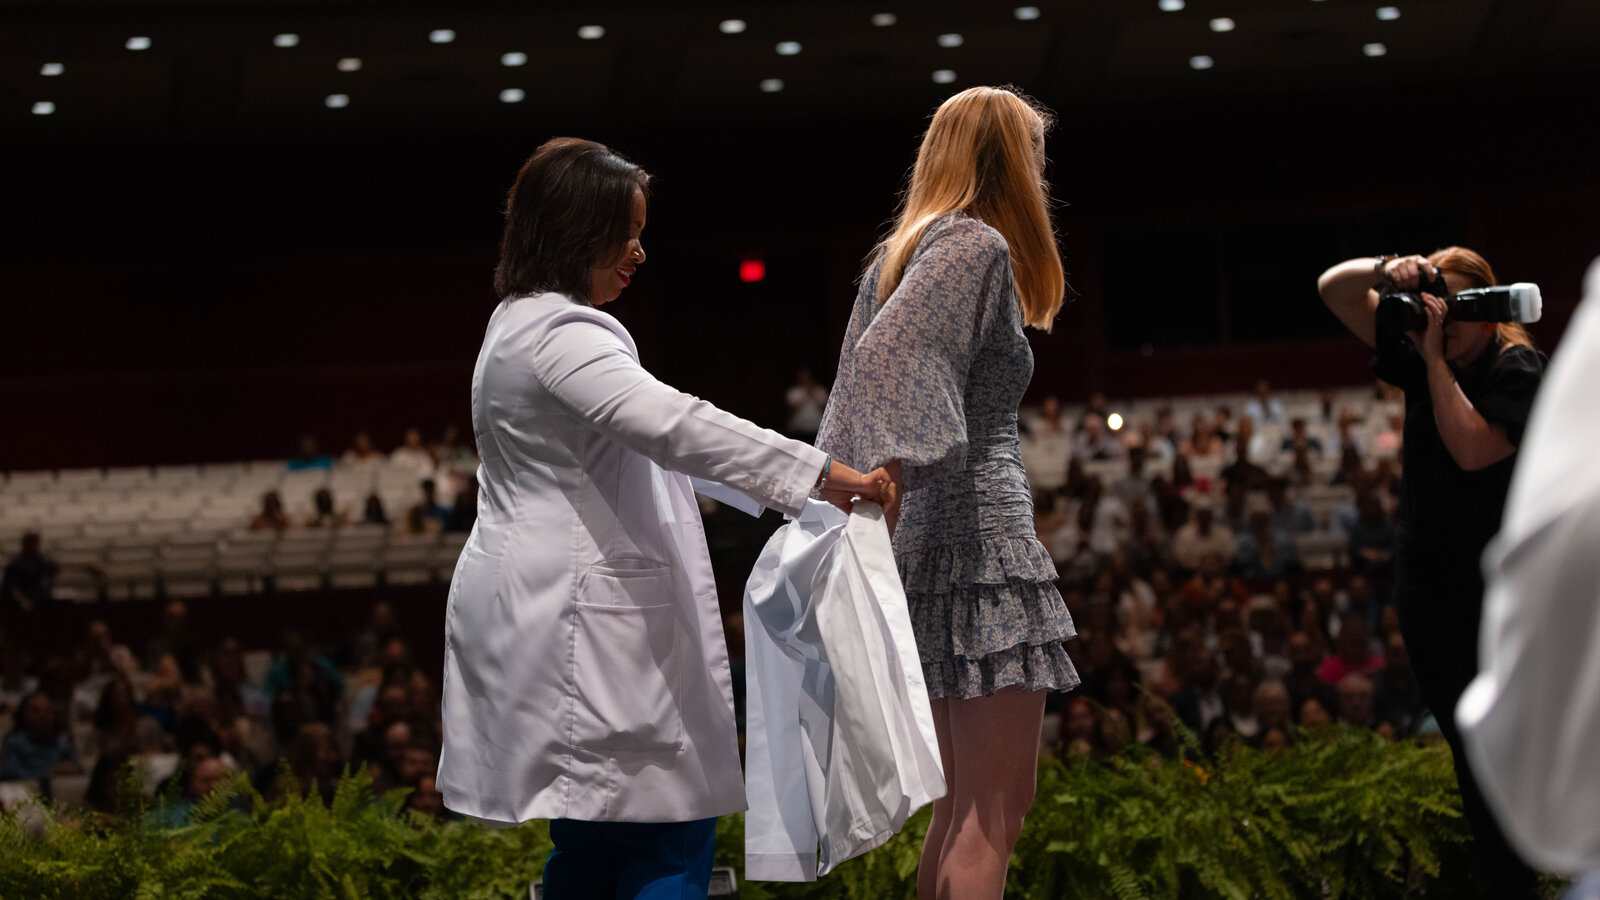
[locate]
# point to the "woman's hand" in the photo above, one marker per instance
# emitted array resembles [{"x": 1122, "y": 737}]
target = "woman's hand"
[
  {"x": 845, "y": 485},
  {"x": 1430, "y": 343},
  {"x": 1405, "y": 272}
]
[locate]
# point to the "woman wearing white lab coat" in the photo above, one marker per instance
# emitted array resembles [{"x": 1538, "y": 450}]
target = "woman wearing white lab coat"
[{"x": 586, "y": 676}]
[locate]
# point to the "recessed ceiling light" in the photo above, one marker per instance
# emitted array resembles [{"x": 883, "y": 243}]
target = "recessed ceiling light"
[
  {"x": 512, "y": 95},
  {"x": 337, "y": 101},
  {"x": 592, "y": 32},
  {"x": 1201, "y": 62},
  {"x": 1222, "y": 23},
  {"x": 772, "y": 85},
  {"x": 1026, "y": 13},
  {"x": 44, "y": 108},
  {"x": 1374, "y": 49},
  {"x": 441, "y": 35},
  {"x": 52, "y": 69},
  {"x": 884, "y": 20},
  {"x": 731, "y": 26},
  {"x": 1388, "y": 13},
  {"x": 138, "y": 43},
  {"x": 788, "y": 48},
  {"x": 286, "y": 40},
  {"x": 350, "y": 64},
  {"x": 944, "y": 76},
  {"x": 951, "y": 40},
  {"x": 1170, "y": 5},
  {"x": 514, "y": 58}
]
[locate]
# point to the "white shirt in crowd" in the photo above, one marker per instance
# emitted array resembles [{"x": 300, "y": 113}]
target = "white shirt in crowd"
[{"x": 805, "y": 407}]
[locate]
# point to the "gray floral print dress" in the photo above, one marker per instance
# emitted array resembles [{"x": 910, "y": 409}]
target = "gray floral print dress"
[{"x": 933, "y": 378}]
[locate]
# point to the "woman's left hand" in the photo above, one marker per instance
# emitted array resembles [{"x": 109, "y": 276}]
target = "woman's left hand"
[{"x": 1430, "y": 343}]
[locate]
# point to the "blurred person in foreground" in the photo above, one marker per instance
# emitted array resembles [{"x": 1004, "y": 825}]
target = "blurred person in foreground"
[
  {"x": 1469, "y": 387},
  {"x": 29, "y": 578},
  {"x": 934, "y": 364},
  {"x": 1531, "y": 719},
  {"x": 586, "y": 675}
]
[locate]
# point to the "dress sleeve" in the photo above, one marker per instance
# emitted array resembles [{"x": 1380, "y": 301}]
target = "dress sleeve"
[
  {"x": 904, "y": 389},
  {"x": 586, "y": 366},
  {"x": 1507, "y": 396}
]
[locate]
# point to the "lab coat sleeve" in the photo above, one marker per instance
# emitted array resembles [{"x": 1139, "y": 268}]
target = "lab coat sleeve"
[
  {"x": 586, "y": 365},
  {"x": 1531, "y": 719}
]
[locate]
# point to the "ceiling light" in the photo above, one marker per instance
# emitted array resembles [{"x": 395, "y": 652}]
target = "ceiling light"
[
  {"x": 1170, "y": 5},
  {"x": 50, "y": 69},
  {"x": 441, "y": 35},
  {"x": 884, "y": 20},
  {"x": 337, "y": 101},
  {"x": 731, "y": 26},
  {"x": 512, "y": 95},
  {"x": 944, "y": 76},
  {"x": 772, "y": 85},
  {"x": 1201, "y": 62},
  {"x": 138, "y": 43},
  {"x": 788, "y": 48},
  {"x": 350, "y": 64},
  {"x": 286, "y": 40},
  {"x": 44, "y": 108},
  {"x": 1374, "y": 49},
  {"x": 951, "y": 40},
  {"x": 1388, "y": 13},
  {"x": 1026, "y": 13},
  {"x": 592, "y": 32},
  {"x": 1222, "y": 23},
  {"x": 514, "y": 58}
]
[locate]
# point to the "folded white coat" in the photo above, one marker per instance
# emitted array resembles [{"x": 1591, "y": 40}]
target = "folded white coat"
[{"x": 839, "y": 741}]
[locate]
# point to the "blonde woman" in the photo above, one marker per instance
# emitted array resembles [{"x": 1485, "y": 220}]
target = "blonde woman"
[{"x": 933, "y": 367}]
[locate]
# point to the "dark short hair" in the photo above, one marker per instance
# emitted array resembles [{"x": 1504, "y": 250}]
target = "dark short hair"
[{"x": 570, "y": 207}]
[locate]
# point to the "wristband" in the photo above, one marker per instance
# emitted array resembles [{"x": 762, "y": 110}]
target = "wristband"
[
  {"x": 1378, "y": 271},
  {"x": 826, "y": 469}
]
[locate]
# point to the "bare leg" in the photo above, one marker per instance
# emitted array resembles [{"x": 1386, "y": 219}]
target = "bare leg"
[
  {"x": 939, "y": 825},
  {"x": 995, "y": 755}
]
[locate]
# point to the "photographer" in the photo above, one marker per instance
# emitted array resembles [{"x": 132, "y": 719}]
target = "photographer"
[{"x": 1469, "y": 387}]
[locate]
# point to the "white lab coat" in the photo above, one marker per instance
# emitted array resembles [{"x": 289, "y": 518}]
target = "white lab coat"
[
  {"x": 586, "y": 674},
  {"x": 1531, "y": 719},
  {"x": 839, "y": 742}
]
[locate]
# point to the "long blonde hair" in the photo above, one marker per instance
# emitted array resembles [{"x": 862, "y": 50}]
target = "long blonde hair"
[{"x": 982, "y": 153}]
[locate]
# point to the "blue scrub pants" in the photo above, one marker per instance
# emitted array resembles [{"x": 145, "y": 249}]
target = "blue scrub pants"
[{"x": 629, "y": 860}]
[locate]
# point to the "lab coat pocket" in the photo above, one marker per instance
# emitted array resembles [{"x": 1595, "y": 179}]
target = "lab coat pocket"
[{"x": 625, "y": 664}]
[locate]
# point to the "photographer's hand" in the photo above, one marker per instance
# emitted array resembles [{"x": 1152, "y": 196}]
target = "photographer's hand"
[
  {"x": 1405, "y": 272},
  {"x": 1430, "y": 343}
]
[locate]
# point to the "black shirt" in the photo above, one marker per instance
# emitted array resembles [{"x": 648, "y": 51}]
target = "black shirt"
[{"x": 1441, "y": 505}]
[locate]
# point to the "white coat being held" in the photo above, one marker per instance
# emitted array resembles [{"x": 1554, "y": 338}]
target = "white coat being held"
[{"x": 586, "y": 674}]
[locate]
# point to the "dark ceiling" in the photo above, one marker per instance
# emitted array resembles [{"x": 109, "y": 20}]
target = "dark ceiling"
[{"x": 212, "y": 71}]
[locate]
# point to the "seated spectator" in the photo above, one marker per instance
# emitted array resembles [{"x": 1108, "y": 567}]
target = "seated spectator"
[
  {"x": 325, "y": 513},
  {"x": 309, "y": 456},
  {"x": 1397, "y": 696},
  {"x": 162, "y": 689},
  {"x": 1244, "y": 470},
  {"x": 373, "y": 513},
  {"x": 1314, "y": 714},
  {"x": 1156, "y": 445},
  {"x": 29, "y": 579},
  {"x": 1203, "y": 536},
  {"x": 1198, "y": 703},
  {"x": 15, "y": 682},
  {"x": 452, "y": 454},
  {"x": 1351, "y": 470},
  {"x": 1298, "y": 435},
  {"x": 1303, "y": 682},
  {"x": 1240, "y": 697},
  {"x": 1224, "y": 423},
  {"x": 1271, "y": 707},
  {"x": 38, "y": 746},
  {"x": 1235, "y": 503},
  {"x": 115, "y": 718},
  {"x": 1145, "y": 545},
  {"x": 418, "y": 523},
  {"x": 177, "y": 639},
  {"x": 105, "y": 783},
  {"x": 1099, "y": 518},
  {"x": 381, "y": 628},
  {"x": 272, "y": 515},
  {"x": 370, "y": 745},
  {"x": 1095, "y": 441},
  {"x": 1387, "y": 442},
  {"x": 1355, "y": 652},
  {"x": 1204, "y": 442},
  {"x": 1327, "y": 411},
  {"x": 427, "y": 800},
  {"x": 1133, "y": 489},
  {"x": 412, "y": 456},
  {"x": 1264, "y": 550},
  {"x": 1355, "y": 701},
  {"x": 1372, "y": 536},
  {"x": 1079, "y": 734},
  {"x": 1210, "y": 587},
  {"x": 362, "y": 452},
  {"x": 464, "y": 512},
  {"x": 1301, "y": 473},
  {"x": 1156, "y": 732},
  {"x": 198, "y": 780},
  {"x": 1289, "y": 515},
  {"x": 1345, "y": 443},
  {"x": 314, "y": 760},
  {"x": 1264, "y": 407},
  {"x": 1273, "y": 741}
]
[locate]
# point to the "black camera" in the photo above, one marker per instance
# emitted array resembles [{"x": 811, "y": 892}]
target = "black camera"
[{"x": 1400, "y": 311}]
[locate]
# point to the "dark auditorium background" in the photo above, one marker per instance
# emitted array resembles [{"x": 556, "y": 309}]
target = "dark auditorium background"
[{"x": 204, "y": 261}]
